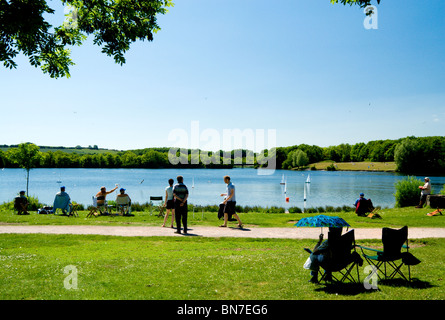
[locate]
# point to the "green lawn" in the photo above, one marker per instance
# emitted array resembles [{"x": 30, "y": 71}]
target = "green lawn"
[
  {"x": 356, "y": 166},
  {"x": 190, "y": 268},
  {"x": 195, "y": 268}
]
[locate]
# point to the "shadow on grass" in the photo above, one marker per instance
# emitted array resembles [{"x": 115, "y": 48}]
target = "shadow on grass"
[
  {"x": 345, "y": 289},
  {"x": 414, "y": 283},
  {"x": 352, "y": 289}
]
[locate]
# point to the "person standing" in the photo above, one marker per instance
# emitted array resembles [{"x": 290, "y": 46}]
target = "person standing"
[
  {"x": 230, "y": 203},
  {"x": 169, "y": 203},
  {"x": 180, "y": 194},
  {"x": 426, "y": 190}
]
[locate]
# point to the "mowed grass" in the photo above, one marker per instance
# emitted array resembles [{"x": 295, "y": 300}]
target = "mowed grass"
[
  {"x": 196, "y": 268},
  {"x": 191, "y": 268},
  {"x": 356, "y": 166}
]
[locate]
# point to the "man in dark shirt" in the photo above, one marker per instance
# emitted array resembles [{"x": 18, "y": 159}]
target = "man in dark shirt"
[
  {"x": 180, "y": 194},
  {"x": 21, "y": 203},
  {"x": 321, "y": 254}
]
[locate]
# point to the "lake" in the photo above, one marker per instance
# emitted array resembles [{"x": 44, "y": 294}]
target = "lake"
[{"x": 326, "y": 188}]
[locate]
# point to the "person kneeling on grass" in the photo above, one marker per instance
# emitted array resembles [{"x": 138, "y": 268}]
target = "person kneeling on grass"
[{"x": 230, "y": 203}]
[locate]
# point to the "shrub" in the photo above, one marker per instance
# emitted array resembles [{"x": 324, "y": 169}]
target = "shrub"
[
  {"x": 407, "y": 192},
  {"x": 34, "y": 204},
  {"x": 295, "y": 210}
]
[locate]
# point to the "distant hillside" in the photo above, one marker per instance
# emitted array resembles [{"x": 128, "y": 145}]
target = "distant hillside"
[{"x": 77, "y": 149}]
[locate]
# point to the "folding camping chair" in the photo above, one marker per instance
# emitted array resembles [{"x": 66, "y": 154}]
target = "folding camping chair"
[
  {"x": 123, "y": 205},
  {"x": 343, "y": 259},
  {"x": 63, "y": 203},
  {"x": 160, "y": 205},
  {"x": 95, "y": 209},
  {"x": 393, "y": 241},
  {"x": 73, "y": 210},
  {"x": 364, "y": 206}
]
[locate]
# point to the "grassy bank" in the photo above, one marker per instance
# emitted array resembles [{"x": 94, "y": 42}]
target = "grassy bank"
[
  {"x": 355, "y": 166},
  {"x": 190, "y": 268},
  {"x": 394, "y": 217}
]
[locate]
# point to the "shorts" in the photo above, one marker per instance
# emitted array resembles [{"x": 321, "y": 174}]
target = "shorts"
[
  {"x": 229, "y": 208},
  {"x": 170, "y": 204}
]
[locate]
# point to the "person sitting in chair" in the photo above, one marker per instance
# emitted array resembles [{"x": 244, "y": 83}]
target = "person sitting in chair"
[
  {"x": 62, "y": 201},
  {"x": 363, "y": 206},
  {"x": 322, "y": 253},
  {"x": 101, "y": 197},
  {"x": 123, "y": 202},
  {"x": 21, "y": 203}
]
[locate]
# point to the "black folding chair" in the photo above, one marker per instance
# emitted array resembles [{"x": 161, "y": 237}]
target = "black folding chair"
[
  {"x": 364, "y": 206},
  {"x": 343, "y": 258},
  {"x": 160, "y": 205},
  {"x": 393, "y": 242}
]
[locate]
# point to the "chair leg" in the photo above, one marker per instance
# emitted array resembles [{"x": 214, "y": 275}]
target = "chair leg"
[
  {"x": 397, "y": 270},
  {"x": 377, "y": 266}
]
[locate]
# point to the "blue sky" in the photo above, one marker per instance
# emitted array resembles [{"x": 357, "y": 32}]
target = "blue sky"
[{"x": 308, "y": 69}]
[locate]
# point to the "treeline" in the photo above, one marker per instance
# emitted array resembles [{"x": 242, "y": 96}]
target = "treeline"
[
  {"x": 376, "y": 151},
  {"x": 411, "y": 155}
]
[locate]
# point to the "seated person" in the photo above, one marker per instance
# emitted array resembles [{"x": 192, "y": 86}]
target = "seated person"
[
  {"x": 21, "y": 203},
  {"x": 101, "y": 198},
  {"x": 123, "y": 202},
  {"x": 363, "y": 205},
  {"x": 321, "y": 254},
  {"x": 62, "y": 201}
]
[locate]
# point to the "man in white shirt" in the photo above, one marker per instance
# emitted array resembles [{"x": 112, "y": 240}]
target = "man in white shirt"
[{"x": 426, "y": 190}]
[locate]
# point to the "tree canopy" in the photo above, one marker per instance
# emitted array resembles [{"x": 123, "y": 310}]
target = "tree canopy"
[
  {"x": 114, "y": 24},
  {"x": 26, "y": 156}
]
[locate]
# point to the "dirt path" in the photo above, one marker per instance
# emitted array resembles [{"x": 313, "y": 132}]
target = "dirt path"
[{"x": 284, "y": 233}]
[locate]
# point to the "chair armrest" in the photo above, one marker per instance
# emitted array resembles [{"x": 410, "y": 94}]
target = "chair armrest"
[{"x": 366, "y": 248}]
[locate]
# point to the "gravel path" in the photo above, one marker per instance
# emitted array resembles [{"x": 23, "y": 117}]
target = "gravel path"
[{"x": 284, "y": 233}]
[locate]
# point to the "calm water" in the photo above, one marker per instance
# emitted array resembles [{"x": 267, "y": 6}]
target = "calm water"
[{"x": 327, "y": 188}]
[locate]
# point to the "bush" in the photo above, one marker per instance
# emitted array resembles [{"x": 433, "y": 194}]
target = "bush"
[
  {"x": 407, "y": 192},
  {"x": 34, "y": 204},
  {"x": 295, "y": 210}
]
